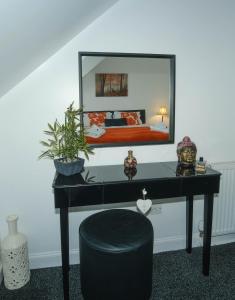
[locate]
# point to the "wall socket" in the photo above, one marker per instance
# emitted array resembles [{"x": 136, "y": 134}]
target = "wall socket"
[{"x": 156, "y": 209}]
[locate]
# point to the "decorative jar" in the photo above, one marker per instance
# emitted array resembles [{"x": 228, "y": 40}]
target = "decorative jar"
[
  {"x": 15, "y": 259},
  {"x": 130, "y": 161}
]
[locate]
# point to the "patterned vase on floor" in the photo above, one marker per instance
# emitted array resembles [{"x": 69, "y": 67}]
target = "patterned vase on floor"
[{"x": 15, "y": 259}]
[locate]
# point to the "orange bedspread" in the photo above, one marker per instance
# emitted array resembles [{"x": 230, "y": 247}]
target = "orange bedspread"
[{"x": 129, "y": 134}]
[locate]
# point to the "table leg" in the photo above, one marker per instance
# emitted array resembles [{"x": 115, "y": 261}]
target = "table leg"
[
  {"x": 64, "y": 236},
  {"x": 189, "y": 223},
  {"x": 208, "y": 213}
]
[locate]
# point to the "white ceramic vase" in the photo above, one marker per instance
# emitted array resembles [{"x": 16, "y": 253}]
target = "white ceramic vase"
[{"x": 15, "y": 259}]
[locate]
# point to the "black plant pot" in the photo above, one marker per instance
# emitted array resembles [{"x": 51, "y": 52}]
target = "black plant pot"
[{"x": 69, "y": 168}]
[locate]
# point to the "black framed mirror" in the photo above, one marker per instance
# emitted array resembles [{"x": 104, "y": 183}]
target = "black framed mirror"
[{"x": 127, "y": 98}]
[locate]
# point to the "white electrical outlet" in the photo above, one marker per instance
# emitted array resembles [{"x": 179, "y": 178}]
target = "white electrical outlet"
[{"x": 156, "y": 209}]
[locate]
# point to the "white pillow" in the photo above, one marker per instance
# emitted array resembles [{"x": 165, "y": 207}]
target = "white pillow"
[
  {"x": 117, "y": 115},
  {"x": 109, "y": 115},
  {"x": 86, "y": 120}
]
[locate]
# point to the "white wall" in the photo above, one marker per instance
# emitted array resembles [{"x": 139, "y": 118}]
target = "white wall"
[{"x": 200, "y": 33}]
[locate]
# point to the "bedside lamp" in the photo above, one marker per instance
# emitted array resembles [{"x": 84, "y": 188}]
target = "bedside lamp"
[{"x": 162, "y": 112}]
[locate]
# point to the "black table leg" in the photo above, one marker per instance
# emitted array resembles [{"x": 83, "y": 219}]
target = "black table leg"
[
  {"x": 208, "y": 212},
  {"x": 189, "y": 223},
  {"x": 64, "y": 235}
]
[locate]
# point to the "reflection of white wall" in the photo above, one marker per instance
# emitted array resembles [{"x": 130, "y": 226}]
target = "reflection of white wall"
[
  {"x": 88, "y": 63},
  {"x": 148, "y": 85}
]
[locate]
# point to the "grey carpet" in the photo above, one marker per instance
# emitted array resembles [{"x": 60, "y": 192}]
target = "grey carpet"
[{"x": 176, "y": 275}]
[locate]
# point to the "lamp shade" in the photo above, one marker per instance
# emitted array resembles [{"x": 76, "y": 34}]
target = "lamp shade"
[{"x": 162, "y": 111}]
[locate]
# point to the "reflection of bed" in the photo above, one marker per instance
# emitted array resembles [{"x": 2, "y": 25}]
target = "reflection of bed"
[
  {"x": 121, "y": 127},
  {"x": 131, "y": 134}
]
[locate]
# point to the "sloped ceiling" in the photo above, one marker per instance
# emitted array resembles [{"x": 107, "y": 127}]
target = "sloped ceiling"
[{"x": 32, "y": 30}]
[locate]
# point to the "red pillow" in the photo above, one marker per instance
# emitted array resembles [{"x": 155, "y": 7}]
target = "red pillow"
[
  {"x": 97, "y": 118},
  {"x": 132, "y": 118}
]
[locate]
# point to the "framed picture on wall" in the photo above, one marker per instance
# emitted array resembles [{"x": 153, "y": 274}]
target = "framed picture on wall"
[{"x": 111, "y": 84}]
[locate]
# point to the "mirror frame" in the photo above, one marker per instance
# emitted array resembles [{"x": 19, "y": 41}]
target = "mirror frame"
[{"x": 171, "y": 113}]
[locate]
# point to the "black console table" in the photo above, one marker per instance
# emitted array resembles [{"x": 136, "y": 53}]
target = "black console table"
[{"x": 109, "y": 184}]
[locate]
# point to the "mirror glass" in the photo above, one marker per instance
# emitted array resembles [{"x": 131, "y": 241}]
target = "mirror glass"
[{"x": 127, "y": 99}]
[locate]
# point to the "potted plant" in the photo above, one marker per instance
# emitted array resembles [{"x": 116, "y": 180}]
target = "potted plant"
[{"x": 66, "y": 141}]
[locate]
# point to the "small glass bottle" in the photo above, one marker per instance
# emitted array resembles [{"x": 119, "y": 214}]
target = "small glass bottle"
[
  {"x": 130, "y": 161},
  {"x": 201, "y": 166}
]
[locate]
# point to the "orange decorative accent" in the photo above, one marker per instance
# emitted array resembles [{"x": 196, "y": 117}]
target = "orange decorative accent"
[
  {"x": 97, "y": 118},
  {"x": 131, "y": 117},
  {"x": 131, "y": 134}
]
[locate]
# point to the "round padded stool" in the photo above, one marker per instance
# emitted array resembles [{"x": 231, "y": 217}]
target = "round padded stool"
[{"x": 116, "y": 256}]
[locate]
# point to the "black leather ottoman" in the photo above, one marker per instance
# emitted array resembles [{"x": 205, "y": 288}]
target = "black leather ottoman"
[{"x": 116, "y": 251}]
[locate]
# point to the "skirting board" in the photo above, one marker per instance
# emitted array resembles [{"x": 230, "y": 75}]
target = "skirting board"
[{"x": 53, "y": 258}]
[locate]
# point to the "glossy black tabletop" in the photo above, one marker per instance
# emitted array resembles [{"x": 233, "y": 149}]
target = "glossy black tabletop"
[{"x": 117, "y": 174}]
